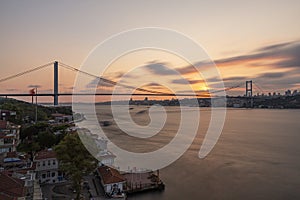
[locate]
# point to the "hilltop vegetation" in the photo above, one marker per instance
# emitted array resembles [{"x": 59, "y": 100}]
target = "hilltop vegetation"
[
  {"x": 35, "y": 136},
  {"x": 26, "y": 111}
]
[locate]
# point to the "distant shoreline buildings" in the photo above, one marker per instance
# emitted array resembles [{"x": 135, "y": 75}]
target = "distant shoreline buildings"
[{"x": 271, "y": 100}]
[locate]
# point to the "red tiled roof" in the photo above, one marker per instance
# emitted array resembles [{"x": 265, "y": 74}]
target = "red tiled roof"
[
  {"x": 3, "y": 124},
  {"x": 11, "y": 187},
  {"x": 57, "y": 115},
  {"x": 45, "y": 154},
  {"x": 2, "y": 135},
  {"x": 11, "y": 154},
  {"x": 21, "y": 170},
  {"x": 110, "y": 175},
  {"x": 6, "y": 197},
  {"x": 9, "y": 136},
  {"x": 4, "y": 110}
]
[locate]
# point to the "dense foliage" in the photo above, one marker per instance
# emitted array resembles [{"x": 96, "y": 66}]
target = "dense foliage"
[
  {"x": 75, "y": 160},
  {"x": 26, "y": 111}
]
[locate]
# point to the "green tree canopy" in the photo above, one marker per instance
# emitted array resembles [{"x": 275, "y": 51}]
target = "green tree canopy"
[
  {"x": 46, "y": 139},
  {"x": 75, "y": 160}
]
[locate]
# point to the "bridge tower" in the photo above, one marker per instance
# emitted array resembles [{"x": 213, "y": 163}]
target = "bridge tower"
[
  {"x": 55, "y": 89},
  {"x": 249, "y": 93},
  {"x": 249, "y": 88}
]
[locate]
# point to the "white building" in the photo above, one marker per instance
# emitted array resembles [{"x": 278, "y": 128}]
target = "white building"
[
  {"x": 104, "y": 156},
  {"x": 62, "y": 118},
  {"x": 112, "y": 181},
  {"x": 47, "y": 167},
  {"x": 9, "y": 136},
  {"x": 7, "y": 143}
]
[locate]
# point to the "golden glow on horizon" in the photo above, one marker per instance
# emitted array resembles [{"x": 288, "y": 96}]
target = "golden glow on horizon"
[{"x": 134, "y": 63}]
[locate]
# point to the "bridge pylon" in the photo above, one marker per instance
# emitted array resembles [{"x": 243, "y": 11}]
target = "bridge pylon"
[
  {"x": 249, "y": 88},
  {"x": 249, "y": 93},
  {"x": 55, "y": 88}
]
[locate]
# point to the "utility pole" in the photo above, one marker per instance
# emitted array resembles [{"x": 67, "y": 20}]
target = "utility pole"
[{"x": 36, "y": 105}]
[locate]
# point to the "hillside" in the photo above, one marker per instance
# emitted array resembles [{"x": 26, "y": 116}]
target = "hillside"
[{"x": 26, "y": 111}]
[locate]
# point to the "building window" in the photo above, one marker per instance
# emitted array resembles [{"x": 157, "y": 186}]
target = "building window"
[
  {"x": 38, "y": 164},
  {"x": 49, "y": 163},
  {"x": 53, "y": 174},
  {"x": 43, "y": 176},
  {"x": 44, "y": 163},
  {"x": 48, "y": 174},
  {"x": 54, "y": 162}
]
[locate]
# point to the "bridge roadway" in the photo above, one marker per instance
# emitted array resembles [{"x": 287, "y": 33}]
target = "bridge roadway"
[{"x": 117, "y": 94}]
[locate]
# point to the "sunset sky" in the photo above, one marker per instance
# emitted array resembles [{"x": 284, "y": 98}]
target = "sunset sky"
[{"x": 247, "y": 40}]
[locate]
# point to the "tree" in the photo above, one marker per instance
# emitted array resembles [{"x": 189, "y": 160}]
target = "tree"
[
  {"x": 46, "y": 139},
  {"x": 28, "y": 132},
  {"x": 75, "y": 160},
  {"x": 30, "y": 148}
]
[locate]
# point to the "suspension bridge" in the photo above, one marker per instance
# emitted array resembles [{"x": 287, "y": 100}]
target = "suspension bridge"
[{"x": 144, "y": 92}]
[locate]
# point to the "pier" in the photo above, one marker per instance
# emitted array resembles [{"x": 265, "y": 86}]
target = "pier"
[{"x": 142, "y": 181}]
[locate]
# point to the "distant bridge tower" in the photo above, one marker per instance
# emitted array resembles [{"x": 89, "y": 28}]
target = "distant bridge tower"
[
  {"x": 249, "y": 94},
  {"x": 55, "y": 89},
  {"x": 249, "y": 88}
]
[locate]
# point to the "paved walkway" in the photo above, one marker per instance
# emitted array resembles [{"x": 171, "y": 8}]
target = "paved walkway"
[
  {"x": 50, "y": 194},
  {"x": 94, "y": 191}
]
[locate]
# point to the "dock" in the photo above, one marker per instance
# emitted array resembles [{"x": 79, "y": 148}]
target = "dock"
[{"x": 142, "y": 181}]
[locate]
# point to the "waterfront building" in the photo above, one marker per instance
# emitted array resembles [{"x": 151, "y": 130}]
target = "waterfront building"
[
  {"x": 112, "y": 181},
  {"x": 104, "y": 156},
  {"x": 61, "y": 118}
]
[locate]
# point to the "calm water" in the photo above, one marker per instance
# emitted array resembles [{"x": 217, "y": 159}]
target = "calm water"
[{"x": 256, "y": 157}]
